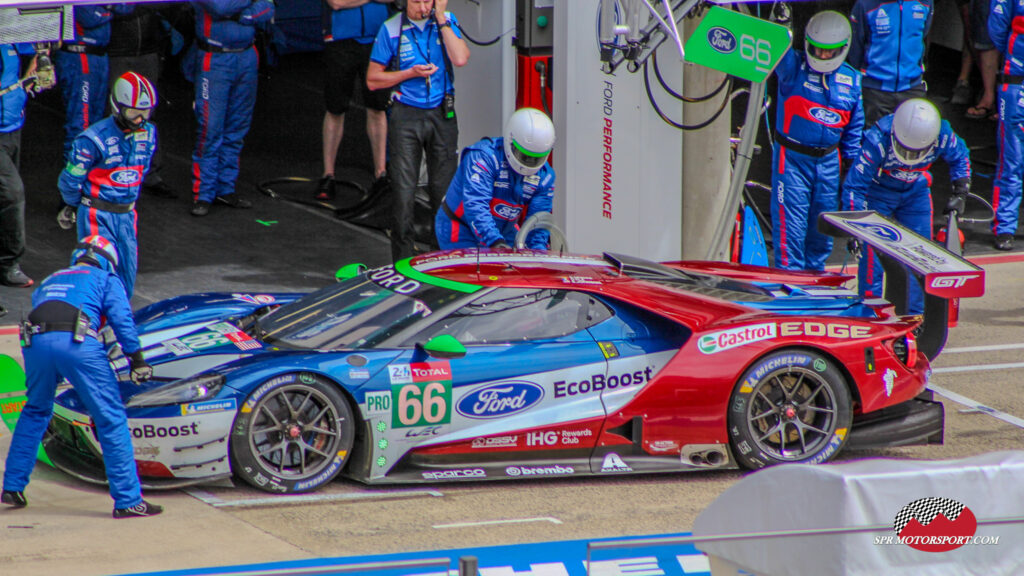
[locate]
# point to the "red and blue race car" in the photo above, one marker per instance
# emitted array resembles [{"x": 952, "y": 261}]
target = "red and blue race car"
[{"x": 470, "y": 365}]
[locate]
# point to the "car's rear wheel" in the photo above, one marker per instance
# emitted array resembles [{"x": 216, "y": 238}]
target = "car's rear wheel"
[
  {"x": 293, "y": 434},
  {"x": 790, "y": 406}
]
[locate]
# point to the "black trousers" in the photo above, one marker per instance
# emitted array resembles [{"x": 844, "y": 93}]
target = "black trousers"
[
  {"x": 878, "y": 103},
  {"x": 12, "y": 200},
  {"x": 411, "y": 132}
]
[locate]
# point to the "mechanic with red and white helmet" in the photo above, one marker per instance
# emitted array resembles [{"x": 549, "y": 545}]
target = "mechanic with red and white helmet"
[
  {"x": 819, "y": 118},
  {"x": 500, "y": 182},
  {"x": 891, "y": 177},
  {"x": 58, "y": 341},
  {"x": 105, "y": 171}
]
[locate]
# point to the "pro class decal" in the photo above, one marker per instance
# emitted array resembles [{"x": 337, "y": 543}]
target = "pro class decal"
[
  {"x": 421, "y": 394},
  {"x": 735, "y": 337}
]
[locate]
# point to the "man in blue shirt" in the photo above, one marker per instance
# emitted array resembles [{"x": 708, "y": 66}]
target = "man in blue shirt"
[
  {"x": 500, "y": 183},
  {"x": 415, "y": 53},
  {"x": 888, "y": 48},
  {"x": 350, "y": 27}
]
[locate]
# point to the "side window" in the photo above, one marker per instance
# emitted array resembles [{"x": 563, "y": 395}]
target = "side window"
[{"x": 519, "y": 314}]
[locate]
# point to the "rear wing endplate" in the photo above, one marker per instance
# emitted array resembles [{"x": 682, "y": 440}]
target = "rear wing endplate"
[{"x": 943, "y": 274}]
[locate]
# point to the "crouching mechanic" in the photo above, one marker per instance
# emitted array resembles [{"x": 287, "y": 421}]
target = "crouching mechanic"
[
  {"x": 500, "y": 182},
  {"x": 819, "y": 111},
  {"x": 59, "y": 341},
  {"x": 104, "y": 174},
  {"x": 891, "y": 177}
]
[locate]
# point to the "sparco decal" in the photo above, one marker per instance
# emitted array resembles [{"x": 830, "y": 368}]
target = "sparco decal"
[
  {"x": 735, "y": 337},
  {"x": 496, "y": 400},
  {"x": 820, "y": 329},
  {"x": 386, "y": 277},
  {"x": 450, "y": 474},
  {"x": 606, "y": 156},
  {"x": 151, "y": 431},
  {"x": 599, "y": 382},
  {"x": 556, "y": 470}
]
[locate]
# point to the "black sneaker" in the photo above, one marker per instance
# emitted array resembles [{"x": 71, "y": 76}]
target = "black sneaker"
[
  {"x": 138, "y": 511},
  {"x": 12, "y": 498},
  {"x": 234, "y": 201},
  {"x": 1004, "y": 242},
  {"x": 160, "y": 189},
  {"x": 13, "y": 276},
  {"x": 325, "y": 189},
  {"x": 200, "y": 208}
]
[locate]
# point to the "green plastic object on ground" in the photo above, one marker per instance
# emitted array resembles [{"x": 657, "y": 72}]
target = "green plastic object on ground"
[
  {"x": 12, "y": 396},
  {"x": 738, "y": 44}
]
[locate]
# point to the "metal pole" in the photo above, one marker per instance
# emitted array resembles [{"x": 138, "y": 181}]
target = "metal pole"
[{"x": 468, "y": 566}]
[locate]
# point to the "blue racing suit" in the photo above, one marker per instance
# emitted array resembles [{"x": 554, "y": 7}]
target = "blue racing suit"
[
  {"x": 225, "y": 90},
  {"x": 816, "y": 114},
  {"x": 489, "y": 200},
  {"x": 888, "y": 42},
  {"x": 102, "y": 179},
  {"x": 82, "y": 69},
  {"x": 54, "y": 354},
  {"x": 879, "y": 181},
  {"x": 1005, "y": 23}
]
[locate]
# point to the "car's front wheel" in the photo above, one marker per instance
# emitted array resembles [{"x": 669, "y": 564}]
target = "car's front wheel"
[
  {"x": 790, "y": 406},
  {"x": 292, "y": 434}
]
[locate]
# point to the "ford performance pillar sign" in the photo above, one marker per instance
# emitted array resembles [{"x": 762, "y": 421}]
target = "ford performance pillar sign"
[{"x": 738, "y": 44}]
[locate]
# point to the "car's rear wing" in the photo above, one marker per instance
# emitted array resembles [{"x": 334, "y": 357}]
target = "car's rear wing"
[{"x": 943, "y": 275}]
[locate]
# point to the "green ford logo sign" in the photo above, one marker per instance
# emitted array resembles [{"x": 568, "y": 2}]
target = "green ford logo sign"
[{"x": 738, "y": 44}]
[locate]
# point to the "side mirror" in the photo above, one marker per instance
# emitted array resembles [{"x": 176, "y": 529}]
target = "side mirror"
[
  {"x": 349, "y": 271},
  {"x": 445, "y": 346}
]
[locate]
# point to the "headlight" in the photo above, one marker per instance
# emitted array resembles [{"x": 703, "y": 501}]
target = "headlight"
[{"x": 195, "y": 389}]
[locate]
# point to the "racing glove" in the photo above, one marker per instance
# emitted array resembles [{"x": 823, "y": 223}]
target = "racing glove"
[
  {"x": 959, "y": 197},
  {"x": 141, "y": 370},
  {"x": 853, "y": 246},
  {"x": 67, "y": 217},
  {"x": 500, "y": 244}
]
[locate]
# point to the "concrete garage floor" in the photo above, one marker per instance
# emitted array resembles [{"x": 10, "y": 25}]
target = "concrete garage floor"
[{"x": 67, "y": 528}]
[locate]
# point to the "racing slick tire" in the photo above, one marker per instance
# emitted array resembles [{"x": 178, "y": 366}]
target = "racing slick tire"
[
  {"x": 790, "y": 406},
  {"x": 293, "y": 434}
]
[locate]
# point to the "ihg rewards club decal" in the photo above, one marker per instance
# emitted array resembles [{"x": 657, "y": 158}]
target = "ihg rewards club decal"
[{"x": 936, "y": 525}]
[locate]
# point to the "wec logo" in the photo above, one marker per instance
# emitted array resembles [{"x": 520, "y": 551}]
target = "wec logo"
[
  {"x": 726, "y": 339},
  {"x": 721, "y": 40},
  {"x": 825, "y": 116},
  {"x": 952, "y": 281}
]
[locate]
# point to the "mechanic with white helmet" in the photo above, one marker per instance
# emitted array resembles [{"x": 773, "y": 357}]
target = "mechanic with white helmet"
[
  {"x": 819, "y": 123},
  {"x": 105, "y": 171},
  {"x": 58, "y": 341},
  {"x": 891, "y": 176},
  {"x": 500, "y": 182}
]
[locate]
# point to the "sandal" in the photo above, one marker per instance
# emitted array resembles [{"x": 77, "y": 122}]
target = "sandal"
[{"x": 980, "y": 112}]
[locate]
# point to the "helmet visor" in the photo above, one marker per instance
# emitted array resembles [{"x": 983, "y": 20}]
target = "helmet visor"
[
  {"x": 528, "y": 158},
  {"x": 825, "y": 52},
  {"x": 136, "y": 116},
  {"x": 910, "y": 155}
]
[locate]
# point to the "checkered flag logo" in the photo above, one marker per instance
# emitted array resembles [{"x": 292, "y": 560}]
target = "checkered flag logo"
[{"x": 925, "y": 510}]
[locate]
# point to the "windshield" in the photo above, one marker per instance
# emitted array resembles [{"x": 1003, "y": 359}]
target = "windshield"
[{"x": 356, "y": 313}]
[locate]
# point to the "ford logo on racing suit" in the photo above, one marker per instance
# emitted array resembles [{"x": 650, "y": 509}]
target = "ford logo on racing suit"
[
  {"x": 721, "y": 40},
  {"x": 124, "y": 177},
  {"x": 825, "y": 116},
  {"x": 501, "y": 399},
  {"x": 881, "y": 230},
  {"x": 505, "y": 211}
]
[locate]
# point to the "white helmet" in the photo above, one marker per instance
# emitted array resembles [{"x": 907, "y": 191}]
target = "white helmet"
[
  {"x": 827, "y": 41},
  {"x": 915, "y": 130},
  {"x": 529, "y": 138},
  {"x": 132, "y": 98}
]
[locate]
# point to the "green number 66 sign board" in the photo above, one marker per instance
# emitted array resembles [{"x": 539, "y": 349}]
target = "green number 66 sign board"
[{"x": 738, "y": 44}]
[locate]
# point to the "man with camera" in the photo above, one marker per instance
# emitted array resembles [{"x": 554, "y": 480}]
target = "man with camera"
[{"x": 415, "y": 53}]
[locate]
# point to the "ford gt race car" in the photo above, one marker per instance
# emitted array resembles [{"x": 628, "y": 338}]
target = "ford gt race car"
[{"x": 470, "y": 365}]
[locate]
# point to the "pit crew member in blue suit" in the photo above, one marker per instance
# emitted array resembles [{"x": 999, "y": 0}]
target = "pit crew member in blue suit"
[
  {"x": 891, "y": 176},
  {"x": 225, "y": 95},
  {"x": 889, "y": 48},
  {"x": 59, "y": 341},
  {"x": 819, "y": 111},
  {"x": 108, "y": 164},
  {"x": 1005, "y": 21},
  {"x": 500, "y": 182},
  {"x": 83, "y": 69}
]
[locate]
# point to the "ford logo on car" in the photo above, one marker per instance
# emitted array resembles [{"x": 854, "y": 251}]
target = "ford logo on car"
[
  {"x": 721, "y": 40},
  {"x": 502, "y": 399},
  {"x": 881, "y": 230},
  {"x": 825, "y": 116}
]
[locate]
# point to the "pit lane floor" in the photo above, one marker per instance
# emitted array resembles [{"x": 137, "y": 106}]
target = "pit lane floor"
[{"x": 67, "y": 527}]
